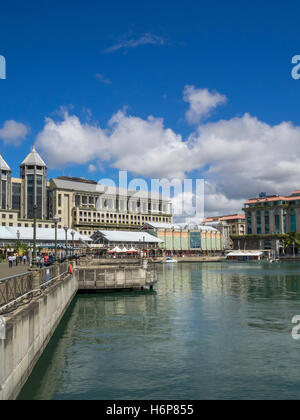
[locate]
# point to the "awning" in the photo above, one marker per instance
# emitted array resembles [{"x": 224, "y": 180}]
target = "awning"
[
  {"x": 131, "y": 250},
  {"x": 115, "y": 250},
  {"x": 245, "y": 254}
]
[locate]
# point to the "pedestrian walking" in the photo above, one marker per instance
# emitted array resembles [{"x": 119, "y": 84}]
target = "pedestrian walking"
[
  {"x": 42, "y": 262},
  {"x": 10, "y": 261}
]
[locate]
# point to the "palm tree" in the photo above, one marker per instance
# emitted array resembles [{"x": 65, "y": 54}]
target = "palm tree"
[{"x": 292, "y": 239}]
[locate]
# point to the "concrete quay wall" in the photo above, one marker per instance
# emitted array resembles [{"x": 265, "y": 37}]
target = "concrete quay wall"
[{"x": 28, "y": 331}]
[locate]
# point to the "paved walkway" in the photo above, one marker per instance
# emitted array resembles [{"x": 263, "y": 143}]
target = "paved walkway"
[{"x": 5, "y": 271}]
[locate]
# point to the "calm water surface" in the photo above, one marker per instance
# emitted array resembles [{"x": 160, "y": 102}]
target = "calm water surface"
[{"x": 208, "y": 331}]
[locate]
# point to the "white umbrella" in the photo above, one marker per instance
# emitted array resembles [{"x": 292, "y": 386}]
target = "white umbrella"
[
  {"x": 132, "y": 250},
  {"x": 115, "y": 250},
  {"x": 124, "y": 249}
]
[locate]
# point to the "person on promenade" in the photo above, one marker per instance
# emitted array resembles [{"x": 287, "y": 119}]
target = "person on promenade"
[
  {"x": 10, "y": 261},
  {"x": 42, "y": 262},
  {"x": 24, "y": 259}
]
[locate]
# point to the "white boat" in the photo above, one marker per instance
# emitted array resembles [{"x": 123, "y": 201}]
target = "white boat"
[{"x": 169, "y": 260}]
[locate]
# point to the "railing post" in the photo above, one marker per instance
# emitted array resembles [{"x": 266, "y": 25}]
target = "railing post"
[{"x": 36, "y": 278}]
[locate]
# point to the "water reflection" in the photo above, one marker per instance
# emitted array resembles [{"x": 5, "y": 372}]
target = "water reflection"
[{"x": 211, "y": 330}]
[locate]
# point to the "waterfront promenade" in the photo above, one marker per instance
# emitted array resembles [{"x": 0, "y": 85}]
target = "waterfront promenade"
[{"x": 5, "y": 271}]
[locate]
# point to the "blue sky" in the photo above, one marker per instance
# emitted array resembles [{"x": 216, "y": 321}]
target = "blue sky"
[{"x": 94, "y": 59}]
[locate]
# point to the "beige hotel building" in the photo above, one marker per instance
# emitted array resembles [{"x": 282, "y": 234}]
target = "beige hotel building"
[{"x": 81, "y": 204}]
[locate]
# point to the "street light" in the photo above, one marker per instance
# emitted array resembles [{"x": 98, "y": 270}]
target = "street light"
[
  {"x": 72, "y": 234},
  {"x": 56, "y": 220},
  {"x": 18, "y": 235},
  {"x": 34, "y": 237},
  {"x": 66, "y": 230}
]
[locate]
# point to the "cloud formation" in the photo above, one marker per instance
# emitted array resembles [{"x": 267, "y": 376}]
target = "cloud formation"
[
  {"x": 13, "y": 132},
  {"x": 202, "y": 103},
  {"x": 103, "y": 79},
  {"x": 238, "y": 157},
  {"x": 146, "y": 39}
]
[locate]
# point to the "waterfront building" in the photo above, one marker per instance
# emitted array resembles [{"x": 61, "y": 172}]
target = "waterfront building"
[
  {"x": 45, "y": 238},
  {"x": 236, "y": 223},
  {"x": 269, "y": 219},
  {"x": 81, "y": 204},
  {"x": 185, "y": 238},
  {"x": 140, "y": 241}
]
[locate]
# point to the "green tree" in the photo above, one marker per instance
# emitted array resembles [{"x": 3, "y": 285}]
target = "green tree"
[
  {"x": 291, "y": 239},
  {"x": 21, "y": 248}
]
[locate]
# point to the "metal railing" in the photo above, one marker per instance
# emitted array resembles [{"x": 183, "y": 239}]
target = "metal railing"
[
  {"x": 15, "y": 287},
  {"x": 48, "y": 273}
]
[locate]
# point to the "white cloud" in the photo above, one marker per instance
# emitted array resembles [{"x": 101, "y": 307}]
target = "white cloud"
[
  {"x": 128, "y": 143},
  {"x": 145, "y": 39},
  {"x": 202, "y": 102},
  {"x": 103, "y": 79},
  {"x": 238, "y": 157},
  {"x": 13, "y": 132}
]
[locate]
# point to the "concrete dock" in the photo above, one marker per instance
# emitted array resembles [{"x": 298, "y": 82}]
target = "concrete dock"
[{"x": 32, "y": 305}]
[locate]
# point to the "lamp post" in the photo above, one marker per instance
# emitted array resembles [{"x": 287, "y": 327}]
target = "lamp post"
[
  {"x": 72, "y": 234},
  {"x": 56, "y": 220},
  {"x": 66, "y": 230},
  {"x": 34, "y": 237}
]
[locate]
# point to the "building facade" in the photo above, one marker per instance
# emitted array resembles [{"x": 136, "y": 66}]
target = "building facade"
[
  {"x": 80, "y": 204},
  {"x": 180, "y": 238},
  {"x": 269, "y": 219},
  {"x": 236, "y": 223}
]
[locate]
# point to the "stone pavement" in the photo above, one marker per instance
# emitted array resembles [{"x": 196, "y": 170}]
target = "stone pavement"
[{"x": 5, "y": 271}]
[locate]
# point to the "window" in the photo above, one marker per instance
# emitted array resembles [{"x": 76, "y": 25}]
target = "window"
[
  {"x": 258, "y": 222},
  {"x": 11, "y": 216},
  {"x": 77, "y": 200},
  {"x": 277, "y": 221},
  {"x": 3, "y": 216},
  {"x": 195, "y": 240},
  {"x": 39, "y": 196},
  {"x": 59, "y": 200},
  {"x": 4, "y": 194},
  {"x": 293, "y": 221},
  {"x": 267, "y": 222},
  {"x": 84, "y": 200},
  {"x": 11, "y": 224},
  {"x": 16, "y": 196},
  {"x": 249, "y": 223}
]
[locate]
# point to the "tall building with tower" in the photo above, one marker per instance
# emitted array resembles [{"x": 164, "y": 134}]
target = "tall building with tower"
[{"x": 81, "y": 204}]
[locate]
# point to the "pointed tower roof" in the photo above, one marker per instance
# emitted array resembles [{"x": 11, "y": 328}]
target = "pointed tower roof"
[
  {"x": 33, "y": 159},
  {"x": 3, "y": 165}
]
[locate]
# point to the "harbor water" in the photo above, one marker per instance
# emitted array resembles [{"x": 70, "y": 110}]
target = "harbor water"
[{"x": 207, "y": 331}]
